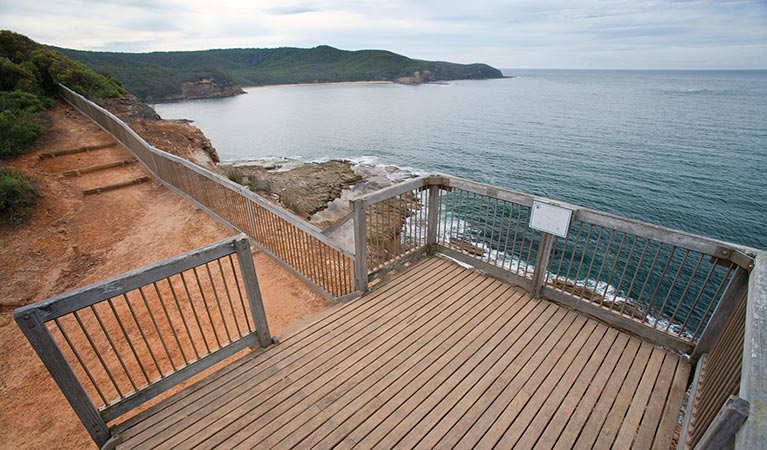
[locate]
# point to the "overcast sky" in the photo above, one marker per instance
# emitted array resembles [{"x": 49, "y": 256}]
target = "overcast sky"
[{"x": 621, "y": 34}]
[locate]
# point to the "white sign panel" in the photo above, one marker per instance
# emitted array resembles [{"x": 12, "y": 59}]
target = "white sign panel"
[{"x": 550, "y": 219}]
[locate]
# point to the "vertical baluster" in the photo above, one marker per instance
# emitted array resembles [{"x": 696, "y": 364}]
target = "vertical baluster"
[
  {"x": 248, "y": 319},
  {"x": 532, "y": 241},
  {"x": 81, "y": 362},
  {"x": 510, "y": 207},
  {"x": 634, "y": 277},
  {"x": 460, "y": 222},
  {"x": 104, "y": 365},
  {"x": 170, "y": 324},
  {"x": 601, "y": 265},
  {"x": 564, "y": 252},
  {"x": 492, "y": 230},
  {"x": 128, "y": 340},
  {"x": 114, "y": 348},
  {"x": 229, "y": 297},
  {"x": 450, "y": 208},
  {"x": 214, "y": 288},
  {"x": 623, "y": 272},
  {"x": 612, "y": 268},
  {"x": 586, "y": 243},
  {"x": 684, "y": 294},
  {"x": 514, "y": 243},
  {"x": 714, "y": 298},
  {"x": 195, "y": 314},
  {"x": 204, "y": 299},
  {"x": 524, "y": 223},
  {"x": 183, "y": 318},
  {"x": 703, "y": 287},
  {"x": 325, "y": 274},
  {"x": 143, "y": 337},
  {"x": 660, "y": 280},
  {"x": 671, "y": 288}
]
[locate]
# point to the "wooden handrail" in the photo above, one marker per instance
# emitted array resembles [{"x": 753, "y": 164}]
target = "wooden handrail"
[
  {"x": 740, "y": 255},
  {"x": 288, "y": 239}
]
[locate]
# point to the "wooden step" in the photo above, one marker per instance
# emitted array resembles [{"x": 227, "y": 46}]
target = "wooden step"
[
  {"x": 111, "y": 187},
  {"x": 72, "y": 151},
  {"x": 78, "y": 172}
]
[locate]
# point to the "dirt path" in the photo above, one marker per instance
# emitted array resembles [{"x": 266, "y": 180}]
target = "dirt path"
[{"x": 73, "y": 240}]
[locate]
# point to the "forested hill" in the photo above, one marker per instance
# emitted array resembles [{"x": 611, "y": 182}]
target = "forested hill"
[{"x": 208, "y": 73}]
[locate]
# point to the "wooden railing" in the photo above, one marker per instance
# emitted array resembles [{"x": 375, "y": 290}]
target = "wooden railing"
[
  {"x": 658, "y": 283},
  {"x": 116, "y": 344},
  {"x": 298, "y": 245},
  {"x": 393, "y": 226},
  {"x": 685, "y": 292},
  {"x": 717, "y": 378},
  {"x": 728, "y": 400}
]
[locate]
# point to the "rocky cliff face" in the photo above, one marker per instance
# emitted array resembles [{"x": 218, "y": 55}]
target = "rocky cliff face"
[
  {"x": 174, "y": 136},
  {"x": 305, "y": 189},
  {"x": 208, "y": 88},
  {"x": 418, "y": 77}
]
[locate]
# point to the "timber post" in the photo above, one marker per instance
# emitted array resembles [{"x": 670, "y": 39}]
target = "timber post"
[
  {"x": 54, "y": 360},
  {"x": 432, "y": 218},
  {"x": 360, "y": 247},
  {"x": 249, "y": 279},
  {"x": 545, "y": 247}
]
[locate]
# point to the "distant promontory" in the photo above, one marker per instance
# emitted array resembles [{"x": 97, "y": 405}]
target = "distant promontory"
[{"x": 167, "y": 76}]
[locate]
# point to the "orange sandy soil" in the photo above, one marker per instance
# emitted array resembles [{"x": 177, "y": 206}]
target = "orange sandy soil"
[{"x": 74, "y": 240}]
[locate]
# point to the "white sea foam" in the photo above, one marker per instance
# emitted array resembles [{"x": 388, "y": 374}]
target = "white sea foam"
[{"x": 512, "y": 263}]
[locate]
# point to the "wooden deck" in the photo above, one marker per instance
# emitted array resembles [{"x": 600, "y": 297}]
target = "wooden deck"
[{"x": 438, "y": 357}]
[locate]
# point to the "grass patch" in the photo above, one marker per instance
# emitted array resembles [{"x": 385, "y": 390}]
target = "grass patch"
[{"x": 233, "y": 173}]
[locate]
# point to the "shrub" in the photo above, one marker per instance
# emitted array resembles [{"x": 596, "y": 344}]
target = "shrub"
[
  {"x": 17, "y": 196},
  {"x": 21, "y": 103},
  {"x": 13, "y": 75},
  {"x": 233, "y": 173},
  {"x": 17, "y": 132},
  {"x": 56, "y": 68}
]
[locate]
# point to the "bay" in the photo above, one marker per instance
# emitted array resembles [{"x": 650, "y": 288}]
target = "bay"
[{"x": 683, "y": 149}]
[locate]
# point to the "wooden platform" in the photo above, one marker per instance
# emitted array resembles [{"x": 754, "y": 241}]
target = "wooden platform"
[{"x": 438, "y": 357}]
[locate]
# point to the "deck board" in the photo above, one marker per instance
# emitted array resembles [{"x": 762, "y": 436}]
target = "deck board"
[{"x": 437, "y": 357}]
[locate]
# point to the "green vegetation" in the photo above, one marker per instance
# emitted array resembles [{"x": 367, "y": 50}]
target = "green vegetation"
[
  {"x": 233, "y": 173},
  {"x": 29, "y": 74},
  {"x": 17, "y": 196},
  {"x": 19, "y": 126},
  {"x": 159, "y": 75}
]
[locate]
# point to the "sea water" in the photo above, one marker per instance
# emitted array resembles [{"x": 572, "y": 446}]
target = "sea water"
[{"x": 683, "y": 149}]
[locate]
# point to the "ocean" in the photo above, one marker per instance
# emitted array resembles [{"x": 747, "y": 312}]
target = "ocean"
[{"x": 682, "y": 149}]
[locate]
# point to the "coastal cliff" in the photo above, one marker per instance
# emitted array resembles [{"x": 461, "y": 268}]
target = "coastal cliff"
[{"x": 205, "y": 88}]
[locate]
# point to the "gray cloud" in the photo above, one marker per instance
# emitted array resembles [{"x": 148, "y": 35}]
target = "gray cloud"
[{"x": 516, "y": 33}]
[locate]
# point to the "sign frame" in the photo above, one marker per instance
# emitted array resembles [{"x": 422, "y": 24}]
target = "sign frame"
[{"x": 550, "y": 218}]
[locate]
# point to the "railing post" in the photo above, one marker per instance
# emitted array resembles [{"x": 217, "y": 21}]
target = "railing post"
[
  {"x": 248, "y": 271},
  {"x": 360, "y": 247},
  {"x": 50, "y": 354},
  {"x": 725, "y": 425},
  {"x": 432, "y": 218},
  {"x": 542, "y": 258}
]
